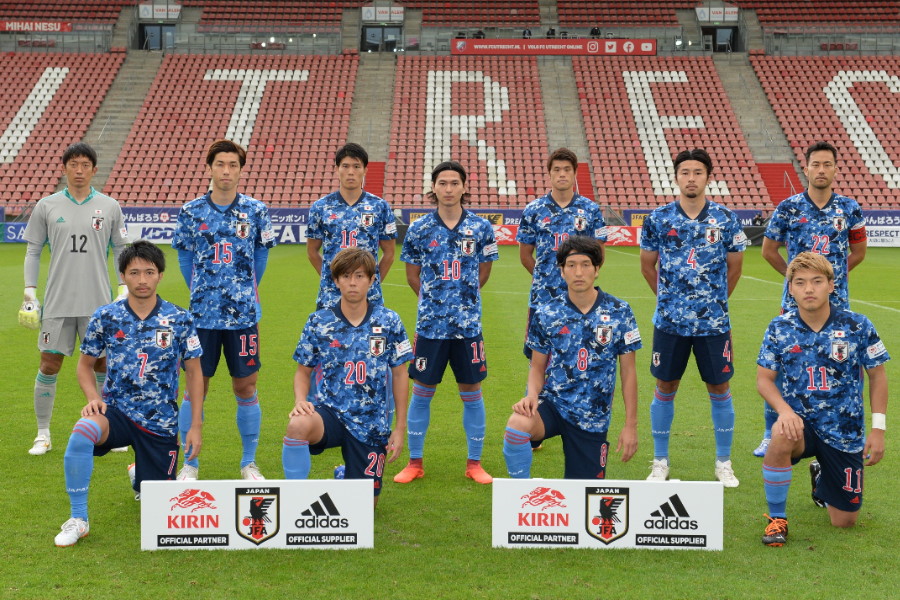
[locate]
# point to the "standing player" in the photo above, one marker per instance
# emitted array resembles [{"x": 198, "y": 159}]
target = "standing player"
[
  {"x": 145, "y": 340},
  {"x": 691, "y": 256},
  {"x": 355, "y": 343},
  {"x": 78, "y": 224},
  {"x": 576, "y": 339},
  {"x": 820, "y": 221},
  {"x": 448, "y": 256},
  {"x": 809, "y": 372},
  {"x": 223, "y": 240},
  {"x": 548, "y": 221}
]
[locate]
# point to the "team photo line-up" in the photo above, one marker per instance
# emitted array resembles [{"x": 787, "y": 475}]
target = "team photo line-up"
[{"x": 355, "y": 360}]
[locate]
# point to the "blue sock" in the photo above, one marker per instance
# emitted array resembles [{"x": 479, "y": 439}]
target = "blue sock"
[
  {"x": 474, "y": 422},
  {"x": 418, "y": 419},
  {"x": 249, "y": 416},
  {"x": 776, "y": 482},
  {"x": 518, "y": 454},
  {"x": 662, "y": 413},
  {"x": 770, "y": 415},
  {"x": 78, "y": 464},
  {"x": 295, "y": 458},
  {"x": 722, "y": 408},
  {"x": 184, "y": 425}
]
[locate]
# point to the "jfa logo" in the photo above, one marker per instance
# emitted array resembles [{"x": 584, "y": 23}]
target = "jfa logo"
[{"x": 256, "y": 512}]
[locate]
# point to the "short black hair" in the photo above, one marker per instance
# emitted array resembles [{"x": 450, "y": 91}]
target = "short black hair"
[
  {"x": 353, "y": 151},
  {"x": 449, "y": 165},
  {"x": 818, "y": 146},
  {"x": 580, "y": 244},
  {"x": 563, "y": 154},
  {"x": 227, "y": 146},
  {"x": 698, "y": 154},
  {"x": 80, "y": 150},
  {"x": 144, "y": 250}
]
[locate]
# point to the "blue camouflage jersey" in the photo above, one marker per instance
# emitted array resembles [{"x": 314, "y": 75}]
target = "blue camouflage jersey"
[
  {"x": 355, "y": 361},
  {"x": 820, "y": 373},
  {"x": 339, "y": 226},
  {"x": 545, "y": 225},
  {"x": 223, "y": 280},
  {"x": 582, "y": 350},
  {"x": 143, "y": 357},
  {"x": 692, "y": 290},
  {"x": 804, "y": 227},
  {"x": 449, "y": 297}
]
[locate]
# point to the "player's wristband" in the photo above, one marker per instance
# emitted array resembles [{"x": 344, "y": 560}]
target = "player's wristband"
[{"x": 878, "y": 421}]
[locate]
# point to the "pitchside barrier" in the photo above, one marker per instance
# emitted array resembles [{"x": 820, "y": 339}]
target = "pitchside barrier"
[
  {"x": 236, "y": 515},
  {"x": 590, "y": 513}
]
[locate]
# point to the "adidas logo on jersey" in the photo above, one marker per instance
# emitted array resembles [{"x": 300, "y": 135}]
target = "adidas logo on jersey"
[
  {"x": 120, "y": 335},
  {"x": 335, "y": 344},
  {"x": 564, "y": 330},
  {"x": 60, "y": 220},
  {"x": 321, "y": 513},
  {"x": 671, "y": 515},
  {"x": 796, "y": 349},
  {"x": 203, "y": 227},
  {"x": 673, "y": 231},
  {"x": 433, "y": 244}
]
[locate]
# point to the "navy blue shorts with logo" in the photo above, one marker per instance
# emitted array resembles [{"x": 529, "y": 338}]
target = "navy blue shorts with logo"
[
  {"x": 585, "y": 452},
  {"x": 362, "y": 460},
  {"x": 841, "y": 481},
  {"x": 671, "y": 353},
  {"x": 241, "y": 348},
  {"x": 466, "y": 358},
  {"x": 155, "y": 456}
]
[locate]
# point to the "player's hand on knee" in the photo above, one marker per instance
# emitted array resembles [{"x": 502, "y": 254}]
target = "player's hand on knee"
[
  {"x": 790, "y": 425},
  {"x": 302, "y": 408},
  {"x": 94, "y": 407},
  {"x": 30, "y": 311},
  {"x": 526, "y": 406}
]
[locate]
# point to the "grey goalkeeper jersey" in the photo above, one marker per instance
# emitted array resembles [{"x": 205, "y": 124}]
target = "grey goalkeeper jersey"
[{"x": 79, "y": 236}]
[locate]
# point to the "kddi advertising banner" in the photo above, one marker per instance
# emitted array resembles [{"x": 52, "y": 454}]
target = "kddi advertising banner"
[
  {"x": 231, "y": 515},
  {"x": 585, "y": 513}
]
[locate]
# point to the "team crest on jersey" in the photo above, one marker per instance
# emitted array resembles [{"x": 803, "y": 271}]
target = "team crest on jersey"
[
  {"x": 713, "y": 235},
  {"x": 840, "y": 223},
  {"x": 580, "y": 223},
  {"x": 656, "y": 359},
  {"x": 606, "y": 513},
  {"x": 256, "y": 513},
  {"x": 468, "y": 246},
  {"x": 97, "y": 223},
  {"x": 367, "y": 219},
  {"x": 421, "y": 363},
  {"x": 603, "y": 334},
  {"x": 163, "y": 338},
  {"x": 840, "y": 350},
  {"x": 377, "y": 344},
  {"x": 242, "y": 229}
]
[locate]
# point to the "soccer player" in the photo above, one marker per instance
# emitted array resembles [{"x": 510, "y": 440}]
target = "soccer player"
[
  {"x": 691, "y": 256},
  {"x": 809, "y": 372},
  {"x": 145, "y": 340},
  {"x": 350, "y": 218},
  {"x": 549, "y": 221},
  {"x": 576, "y": 339},
  {"x": 223, "y": 240},
  {"x": 79, "y": 225},
  {"x": 816, "y": 220},
  {"x": 448, "y": 255},
  {"x": 355, "y": 343}
]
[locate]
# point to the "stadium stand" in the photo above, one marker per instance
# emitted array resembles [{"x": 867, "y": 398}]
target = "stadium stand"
[
  {"x": 96, "y": 11},
  {"x": 49, "y": 101},
  {"x": 290, "y": 112},
  {"x": 654, "y": 13},
  {"x": 849, "y": 101},
  {"x": 860, "y": 12},
  {"x": 470, "y": 13},
  {"x": 223, "y": 16},
  {"x": 485, "y": 112},
  {"x": 641, "y": 111}
]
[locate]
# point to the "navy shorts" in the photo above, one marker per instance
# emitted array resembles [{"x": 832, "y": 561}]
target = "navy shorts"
[
  {"x": 671, "y": 353},
  {"x": 155, "y": 456},
  {"x": 466, "y": 358},
  {"x": 241, "y": 348},
  {"x": 361, "y": 461},
  {"x": 585, "y": 452},
  {"x": 841, "y": 481}
]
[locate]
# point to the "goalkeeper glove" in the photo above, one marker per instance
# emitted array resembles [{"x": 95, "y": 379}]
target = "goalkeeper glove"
[{"x": 30, "y": 312}]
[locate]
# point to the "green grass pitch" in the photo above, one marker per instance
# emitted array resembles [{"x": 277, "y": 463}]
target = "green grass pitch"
[{"x": 432, "y": 537}]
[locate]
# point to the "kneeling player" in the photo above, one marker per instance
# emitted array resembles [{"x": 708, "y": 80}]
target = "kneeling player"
[
  {"x": 355, "y": 343},
  {"x": 809, "y": 373},
  {"x": 145, "y": 339},
  {"x": 580, "y": 334}
]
